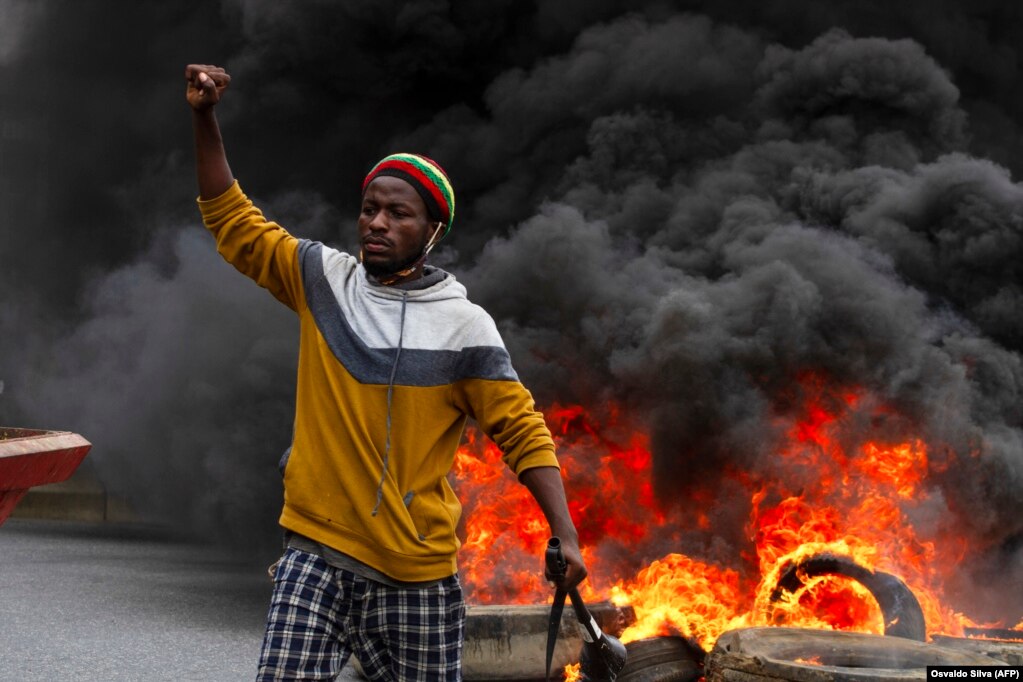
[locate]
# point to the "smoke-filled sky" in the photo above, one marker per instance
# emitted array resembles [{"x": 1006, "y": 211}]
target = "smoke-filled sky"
[{"x": 679, "y": 206}]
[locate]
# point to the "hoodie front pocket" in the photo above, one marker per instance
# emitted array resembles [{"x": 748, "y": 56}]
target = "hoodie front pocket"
[{"x": 415, "y": 509}]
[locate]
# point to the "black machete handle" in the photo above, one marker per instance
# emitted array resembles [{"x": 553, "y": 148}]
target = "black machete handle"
[{"x": 557, "y": 567}]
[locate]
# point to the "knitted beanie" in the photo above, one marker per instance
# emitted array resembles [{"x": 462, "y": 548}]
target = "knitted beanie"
[{"x": 428, "y": 179}]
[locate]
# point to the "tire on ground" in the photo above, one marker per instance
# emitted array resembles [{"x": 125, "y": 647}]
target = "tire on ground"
[
  {"x": 662, "y": 659},
  {"x": 769, "y": 654},
  {"x": 1008, "y": 652}
]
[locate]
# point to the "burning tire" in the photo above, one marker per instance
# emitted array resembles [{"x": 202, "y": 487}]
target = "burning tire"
[
  {"x": 801, "y": 655},
  {"x": 900, "y": 609},
  {"x": 662, "y": 659}
]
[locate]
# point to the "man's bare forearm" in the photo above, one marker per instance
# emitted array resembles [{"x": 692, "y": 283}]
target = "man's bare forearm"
[
  {"x": 544, "y": 483},
  {"x": 212, "y": 169}
]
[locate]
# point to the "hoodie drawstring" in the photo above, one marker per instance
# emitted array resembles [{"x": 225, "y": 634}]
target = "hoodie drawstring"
[{"x": 390, "y": 395}]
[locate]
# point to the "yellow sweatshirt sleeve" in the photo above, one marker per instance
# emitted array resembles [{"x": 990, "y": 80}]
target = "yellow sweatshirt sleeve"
[
  {"x": 260, "y": 249},
  {"x": 505, "y": 411}
]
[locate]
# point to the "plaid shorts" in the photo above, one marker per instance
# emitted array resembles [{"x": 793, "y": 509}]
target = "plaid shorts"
[{"x": 320, "y": 615}]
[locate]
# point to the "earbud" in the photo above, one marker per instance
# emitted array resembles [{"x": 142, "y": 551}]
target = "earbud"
[{"x": 433, "y": 238}]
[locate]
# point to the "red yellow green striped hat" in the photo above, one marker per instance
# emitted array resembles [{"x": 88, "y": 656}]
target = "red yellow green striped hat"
[{"x": 428, "y": 179}]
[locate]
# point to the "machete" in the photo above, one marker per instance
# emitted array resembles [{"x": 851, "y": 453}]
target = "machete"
[{"x": 604, "y": 655}]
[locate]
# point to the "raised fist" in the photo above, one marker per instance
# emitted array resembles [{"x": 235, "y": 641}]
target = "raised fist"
[{"x": 206, "y": 85}]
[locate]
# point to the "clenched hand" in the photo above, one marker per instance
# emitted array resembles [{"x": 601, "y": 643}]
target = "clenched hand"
[{"x": 206, "y": 85}]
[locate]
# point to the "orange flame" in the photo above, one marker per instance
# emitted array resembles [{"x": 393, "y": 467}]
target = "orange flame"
[{"x": 831, "y": 491}]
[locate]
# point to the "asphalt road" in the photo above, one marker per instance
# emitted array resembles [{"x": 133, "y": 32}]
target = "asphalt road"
[{"x": 107, "y": 602}]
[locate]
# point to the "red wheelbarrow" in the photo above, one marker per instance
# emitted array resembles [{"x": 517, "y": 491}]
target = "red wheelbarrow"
[{"x": 31, "y": 457}]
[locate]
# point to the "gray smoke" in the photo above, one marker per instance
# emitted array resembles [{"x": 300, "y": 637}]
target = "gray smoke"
[{"x": 681, "y": 207}]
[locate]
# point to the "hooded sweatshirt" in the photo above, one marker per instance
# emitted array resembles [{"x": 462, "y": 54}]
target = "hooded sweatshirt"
[{"x": 386, "y": 380}]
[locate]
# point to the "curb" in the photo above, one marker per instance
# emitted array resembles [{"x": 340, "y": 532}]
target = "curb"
[{"x": 80, "y": 498}]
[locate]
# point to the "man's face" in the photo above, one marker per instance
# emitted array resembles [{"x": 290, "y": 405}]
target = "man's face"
[{"x": 394, "y": 226}]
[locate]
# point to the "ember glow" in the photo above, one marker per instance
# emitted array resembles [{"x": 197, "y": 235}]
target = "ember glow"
[
  {"x": 812, "y": 660},
  {"x": 846, "y": 495}
]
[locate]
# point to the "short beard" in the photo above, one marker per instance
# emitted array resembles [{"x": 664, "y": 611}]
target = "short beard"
[{"x": 381, "y": 270}]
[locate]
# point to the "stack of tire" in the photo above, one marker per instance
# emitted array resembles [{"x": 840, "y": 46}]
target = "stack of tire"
[
  {"x": 770, "y": 654},
  {"x": 800, "y": 655}
]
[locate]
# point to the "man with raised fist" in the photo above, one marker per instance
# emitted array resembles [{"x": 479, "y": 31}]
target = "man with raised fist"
[{"x": 393, "y": 358}]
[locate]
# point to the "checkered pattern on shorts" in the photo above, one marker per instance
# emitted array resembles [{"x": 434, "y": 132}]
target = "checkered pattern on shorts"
[{"x": 320, "y": 615}]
